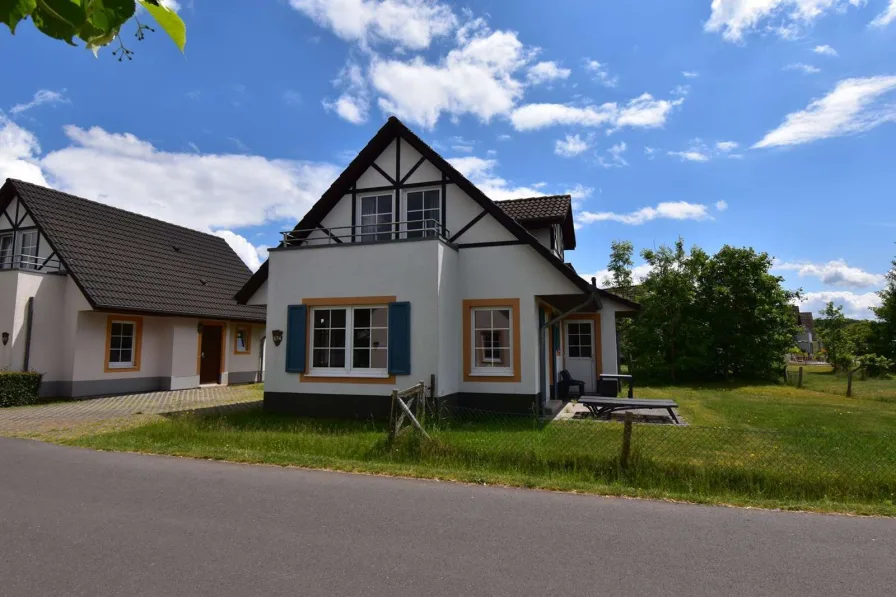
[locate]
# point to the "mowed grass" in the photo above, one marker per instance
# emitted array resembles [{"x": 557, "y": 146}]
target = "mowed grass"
[{"x": 759, "y": 445}]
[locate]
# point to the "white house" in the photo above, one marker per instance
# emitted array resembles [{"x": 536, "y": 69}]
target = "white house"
[
  {"x": 404, "y": 269},
  {"x": 103, "y": 301}
]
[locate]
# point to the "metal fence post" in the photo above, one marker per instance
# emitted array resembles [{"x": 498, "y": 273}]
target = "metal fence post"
[
  {"x": 626, "y": 441},
  {"x": 799, "y": 381}
]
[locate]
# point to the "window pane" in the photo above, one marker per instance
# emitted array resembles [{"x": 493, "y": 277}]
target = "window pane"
[
  {"x": 361, "y": 359},
  {"x": 574, "y": 351},
  {"x": 322, "y": 318},
  {"x": 115, "y": 342},
  {"x": 502, "y": 357},
  {"x": 362, "y": 338},
  {"x": 116, "y": 329},
  {"x": 337, "y": 358},
  {"x": 362, "y": 318},
  {"x": 378, "y": 359},
  {"x": 483, "y": 319},
  {"x": 431, "y": 199},
  {"x": 320, "y": 358},
  {"x": 125, "y": 356},
  {"x": 368, "y": 205},
  {"x": 337, "y": 338},
  {"x": 384, "y": 203},
  {"x": 586, "y": 351},
  {"x": 380, "y": 316},
  {"x": 127, "y": 342},
  {"x": 380, "y": 338},
  {"x": 321, "y": 338},
  {"x": 114, "y": 355},
  {"x": 337, "y": 318},
  {"x": 501, "y": 319},
  {"x": 415, "y": 202},
  {"x": 501, "y": 338}
]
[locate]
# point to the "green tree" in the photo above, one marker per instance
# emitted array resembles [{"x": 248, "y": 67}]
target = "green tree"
[
  {"x": 668, "y": 337},
  {"x": 862, "y": 335},
  {"x": 832, "y": 328},
  {"x": 621, "y": 282},
  {"x": 748, "y": 314},
  {"x": 885, "y": 332},
  {"x": 95, "y": 22}
]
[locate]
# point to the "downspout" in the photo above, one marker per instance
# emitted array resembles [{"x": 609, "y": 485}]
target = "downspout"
[
  {"x": 29, "y": 317},
  {"x": 260, "y": 372}
]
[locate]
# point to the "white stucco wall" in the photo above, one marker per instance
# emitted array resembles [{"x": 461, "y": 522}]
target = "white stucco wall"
[
  {"x": 407, "y": 270},
  {"x": 449, "y": 336},
  {"x": 8, "y": 285}
]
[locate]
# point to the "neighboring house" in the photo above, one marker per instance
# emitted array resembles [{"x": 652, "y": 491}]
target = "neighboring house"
[
  {"x": 405, "y": 270},
  {"x": 806, "y": 339},
  {"x": 104, "y": 301}
]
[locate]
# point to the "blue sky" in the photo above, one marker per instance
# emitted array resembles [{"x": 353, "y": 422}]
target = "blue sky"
[{"x": 765, "y": 123}]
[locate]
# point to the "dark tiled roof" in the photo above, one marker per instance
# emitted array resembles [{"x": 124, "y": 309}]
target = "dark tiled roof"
[
  {"x": 804, "y": 318},
  {"x": 553, "y": 207},
  {"x": 128, "y": 262}
]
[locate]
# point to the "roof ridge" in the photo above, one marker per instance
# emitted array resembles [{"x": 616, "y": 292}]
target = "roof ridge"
[
  {"x": 16, "y": 181},
  {"x": 556, "y": 196}
]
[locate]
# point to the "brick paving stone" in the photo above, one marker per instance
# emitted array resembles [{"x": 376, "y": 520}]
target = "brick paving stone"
[{"x": 61, "y": 415}]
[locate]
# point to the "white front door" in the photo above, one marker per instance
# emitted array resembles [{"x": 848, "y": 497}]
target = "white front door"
[{"x": 579, "y": 352}]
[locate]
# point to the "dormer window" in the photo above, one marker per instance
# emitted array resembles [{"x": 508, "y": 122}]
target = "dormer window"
[
  {"x": 424, "y": 213},
  {"x": 376, "y": 217}
]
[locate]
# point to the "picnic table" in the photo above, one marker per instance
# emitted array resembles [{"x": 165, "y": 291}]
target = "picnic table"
[{"x": 600, "y": 406}]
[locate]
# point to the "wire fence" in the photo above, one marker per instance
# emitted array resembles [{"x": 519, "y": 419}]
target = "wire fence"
[{"x": 811, "y": 465}]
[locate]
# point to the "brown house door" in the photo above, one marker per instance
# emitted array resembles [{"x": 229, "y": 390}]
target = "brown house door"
[{"x": 210, "y": 354}]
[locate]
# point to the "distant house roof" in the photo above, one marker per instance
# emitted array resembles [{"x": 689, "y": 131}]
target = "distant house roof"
[
  {"x": 805, "y": 319},
  {"x": 123, "y": 261},
  {"x": 532, "y": 212}
]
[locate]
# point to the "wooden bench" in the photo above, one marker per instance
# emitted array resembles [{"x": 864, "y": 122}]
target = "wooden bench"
[{"x": 604, "y": 406}]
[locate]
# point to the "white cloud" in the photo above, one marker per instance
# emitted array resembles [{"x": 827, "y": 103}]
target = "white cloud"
[
  {"x": 679, "y": 210},
  {"x": 734, "y": 18},
  {"x": 649, "y": 151},
  {"x": 690, "y": 155},
  {"x": 571, "y": 146},
  {"x": 504, "y": 137},
  {"x": 641, "y": 112},
  {"x": 546, "y": 71},
  {"x": 726, "y": 146},
  {"x": 411, "y": 24},
  {"x": 721, "y": 205},
  {"x": 249, "y": 253},
  {"x": 19, "y": 151},
  {"x": 833, "y": 273},
  {"x": 852, "y": 107},
  {"x": 41, "y": 97},
  {"x": 639, "y": 272},
  {"x": 615, "y": 160},
  {"x": 600, "y": 73},
  {"x": 689, "y": 74},
  {"x": 171, "y": 5},
  {"x": 826, "y": 50},
  {"x": 886, "y": 17},
  {"x": 477, "y": 78},
  {"x": 856, "y": 306},
  {"x": 354, "y": 103},
  {"x": 481, "y": 172},
  {"x": 807, "y": 69}
]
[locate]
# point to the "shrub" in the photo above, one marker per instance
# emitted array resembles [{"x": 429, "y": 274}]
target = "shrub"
[
  {"x": 875, "y": 364},
  {"x": 19, "y": 388}
]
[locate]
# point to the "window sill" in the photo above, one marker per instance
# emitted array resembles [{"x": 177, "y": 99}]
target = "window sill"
[
  {"x": 318, "y": 377},
  {"x": 116, "y": 369},
  {"x": 492, "y": 377}
]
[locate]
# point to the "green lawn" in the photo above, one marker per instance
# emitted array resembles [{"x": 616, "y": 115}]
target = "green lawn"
[{"x": 762, "y": 445}]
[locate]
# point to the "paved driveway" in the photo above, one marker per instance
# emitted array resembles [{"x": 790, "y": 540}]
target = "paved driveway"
[
  {"x": 71, "y": 416},
  {"x": 75, "y": 522}
]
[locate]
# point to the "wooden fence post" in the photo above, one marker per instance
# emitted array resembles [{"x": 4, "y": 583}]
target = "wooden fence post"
[
  {"x": 392, "y": 414},
  {"x": 799, "y": 381},
  {"x": 626, "y": 441},
  {"x": 849, "y": 385}
]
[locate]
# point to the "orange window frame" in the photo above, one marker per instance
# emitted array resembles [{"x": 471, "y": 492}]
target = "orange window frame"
[
  {"x": 138, "y": 342},
  {"x": 236, "y": 332},
  {"x": 509, "y": 303},
  {"x": 357, "y": 301}
]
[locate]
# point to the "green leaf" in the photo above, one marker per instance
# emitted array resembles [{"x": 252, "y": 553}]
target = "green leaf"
[
  {"x": 13, "y": 11},
  {"x": 109, "y": 15},
  {"x": 61, "y": 19},
  {"x": 169, "y": 21}
]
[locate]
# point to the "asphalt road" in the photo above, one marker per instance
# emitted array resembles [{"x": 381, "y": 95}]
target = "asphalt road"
[{"x": 76, "y": 522}]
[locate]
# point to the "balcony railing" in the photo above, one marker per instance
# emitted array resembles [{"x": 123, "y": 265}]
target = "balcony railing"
[
  {"x": 31, "y": 263},
  {"x": 368, "y": 233}
]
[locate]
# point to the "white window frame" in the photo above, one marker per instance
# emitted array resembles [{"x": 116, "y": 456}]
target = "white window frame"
[
  {"x": 492, "y": 371},
  {"x": 247, "y": 333},
  {"x": 123, "y": 364},
  {"x": 6, "y": 260},
  {"x": 404, "y": 211},
  {"x": 349, "y": 370},
  {"x": 359, "y": 227},
  {"x": 31, "y": 262}
]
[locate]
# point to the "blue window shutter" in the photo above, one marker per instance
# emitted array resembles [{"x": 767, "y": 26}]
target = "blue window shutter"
[
  {"x": 296, "y": 338},
  {"x": 399, "y": 338}
]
